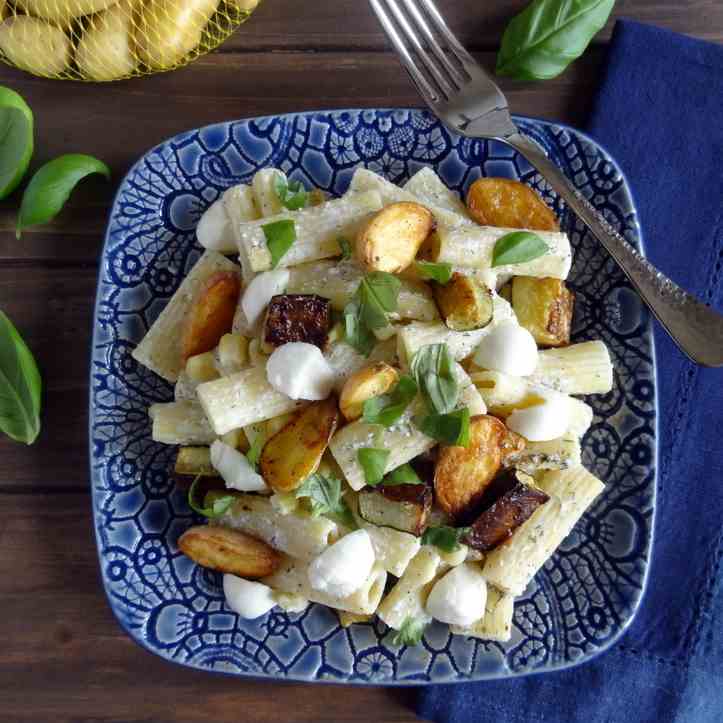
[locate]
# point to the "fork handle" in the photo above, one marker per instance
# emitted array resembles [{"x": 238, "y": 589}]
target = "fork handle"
[{"x": 696, "y": 328}]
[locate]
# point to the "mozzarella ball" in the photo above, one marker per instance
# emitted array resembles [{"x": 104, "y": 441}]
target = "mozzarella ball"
[
  {"x": 344, "y": 566},
  {"x": 542, "y": 422},
  {"x": 214, "y": 228},
  {"x": 248, "y": 599},
  {"x": 508, "y": 348},
  {"x": 459, "y": 597},
  {"x": 235, "y": 469},
  {"x": 259, "y": 293},
  {"x": 300, "y": 371}
]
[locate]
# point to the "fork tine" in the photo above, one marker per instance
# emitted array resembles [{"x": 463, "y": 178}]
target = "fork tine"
[
  {"x": 430, "y": 95},
  {"x": 464, "y": 58}
]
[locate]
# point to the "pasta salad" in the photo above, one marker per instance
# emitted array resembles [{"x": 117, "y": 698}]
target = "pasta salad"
[{"x": 375, "y": 399}]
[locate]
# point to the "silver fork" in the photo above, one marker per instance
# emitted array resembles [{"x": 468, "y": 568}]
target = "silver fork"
[{"x": 461, "y": 94}]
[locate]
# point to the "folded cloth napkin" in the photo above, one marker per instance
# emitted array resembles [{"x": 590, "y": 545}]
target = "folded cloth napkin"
[{"x": 659, "y": 112}]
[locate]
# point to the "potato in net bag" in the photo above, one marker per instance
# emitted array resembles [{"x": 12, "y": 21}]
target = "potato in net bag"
[{"x": 104, "y": 40}]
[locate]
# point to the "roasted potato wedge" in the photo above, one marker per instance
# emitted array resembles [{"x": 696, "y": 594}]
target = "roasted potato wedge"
[
  {"x": 297, "y": 317},
  {"x": 464, "y": 303},
  {"x": 226, "y": 550},
  {"x": 212, "y": 315},
  {"x": 462, "y": 473},
  {"x": 390, "y": 241},
  {"x": 295, "y": 451},
  {"x": 403, "y": 507},
  {"x": 544, "y": 307},
  {"x": 371, "y": 381},
  {"x": 517, "y": 498},
  {"x": 510, "y": 204}
]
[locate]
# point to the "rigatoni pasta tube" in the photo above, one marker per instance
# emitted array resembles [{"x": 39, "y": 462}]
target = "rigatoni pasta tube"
[
  {"x": 180, "y": 423},
  {"x": 497, "y": 621},
  {"x": 576, "y": 369}
]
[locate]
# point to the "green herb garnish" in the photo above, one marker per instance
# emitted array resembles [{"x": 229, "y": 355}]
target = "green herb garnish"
[
  {"x": 213, "y": 505},
  {"x": 254, "y": 453},
  {"x": 280, "y": 237},
  {"x": 388, "y": 408},
  {"x": 16, "y": 140},
  {"x": 445, "y": 538},
  {"x": 404, "y": 475},
  {"x": 325, "y": 496},
  {"x": 518, "y": 247},
  {"x": 440, "y": 272},
  {"x": 373, "y": 461},
  {"x": 451, "y": 429},
  {"x": 345, "y": 246},
  {"x": 411, "y": 632},
  {"x": 292, "y": 194},
  {"x": 433, "y": 369}
]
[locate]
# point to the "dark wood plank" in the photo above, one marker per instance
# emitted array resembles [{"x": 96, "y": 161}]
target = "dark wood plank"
[{"x": 65, "y": 658}]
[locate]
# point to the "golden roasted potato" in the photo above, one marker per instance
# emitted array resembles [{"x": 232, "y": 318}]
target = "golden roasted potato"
[
  {"x": 212, "y": 315},
  {"x": 403, "y": 507},
  {"x": 295, "y": 451},
  {"x": 297, "y": 317},
  {"x": 544, "y": 307},
  {"x": 509, "y": 204},
  {"x": 464, "y": 303},
  {"x": 462, "y": 474},
  {"x": 35, "y": 45},
  {"x": 226, "y": 550},
  {"x": 517, "y": 497},
  {"x": 371, "y": 381},
  {"x": 390, "y": 241}
]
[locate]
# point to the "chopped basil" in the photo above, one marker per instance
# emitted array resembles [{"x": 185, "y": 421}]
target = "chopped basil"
[
  {"x": 292, "y": 194},
  {"x": 411, "y": 632},
  {"x": 445, "y": 538},
  {"x": 404, "y": 475},
  {"x": 217, "y": 505},
  {"x": 388, "y": 408},
  {"x": 345, "y": 246},
  {"x": 433, "y": 369},
  {"x": 430, "y": 271},
  {"x": 518, "y": 247},
  {"x": 280, "y": 237},
  {"x": 373, "y": 461},
  {"x": 254, "y": 453},
  {"x": 324, "y": 494},
  {"x": 356, "y": 331},
  {"x": 452, "y": 428}
]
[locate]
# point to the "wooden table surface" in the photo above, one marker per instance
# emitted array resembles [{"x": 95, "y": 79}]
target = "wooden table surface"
[{"x": 62, "y": 654}]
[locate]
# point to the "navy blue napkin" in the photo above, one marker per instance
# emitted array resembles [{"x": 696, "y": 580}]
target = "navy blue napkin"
[{"x": 659, "y": 112}]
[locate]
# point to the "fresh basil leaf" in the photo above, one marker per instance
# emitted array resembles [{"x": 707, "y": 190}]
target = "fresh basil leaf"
[
  {"x": 388, "y": 408},
  {"x": 20, "y": 386},
  {"x": 518, "y": 247},
  {"x": 356, "y": 331},
  {"x": 345, "y": 246},
  {"x": 16, "y": 140},
  {"x": 410, "y": 632},
  {"x": 325, "y": 496},
  {"x": 430, "y": 271},
  {"x": 433, "y": 369},
  {"x": 548, "y": 35},
  {"x": 445, "y": 538},
  {"x": 292, "y": 194},
  {"x": 213, "y": 505},
  {"x": 280, "y": 237},
  {"x": 51, "y": 186},
  {"x": 254, "y": 453},
  {"x": 373, "y": 461},
  {"x": 451, "y": 429},
  {"x": 404, "y": 475}
]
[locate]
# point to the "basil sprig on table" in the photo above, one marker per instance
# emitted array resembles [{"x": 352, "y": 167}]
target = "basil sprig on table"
[
  {"x": 280, "y": 237},
  {"x": 16, "y": 140},
  {"x": 20, "y": 386},
  {"x": 548, "y": 35},
  {"x": 51, "y": 186},
  {"x": 410, "y": 632},
  {"x": 325, "y": 496},
  {"x": 373, "y": 461},
  {"x": 292, "y": 194},
  {"x": 451, "y": 428},
  {"x": 440, "y": 271},
  {"x": 433, "y": 369},
  {"x": 388, "y": 408},
  {"x": 213, "y": 505},
  {"x": 517, "y": 248},
  {"x": 445, "y": 538},
  {"x": 375, "y": 298}
]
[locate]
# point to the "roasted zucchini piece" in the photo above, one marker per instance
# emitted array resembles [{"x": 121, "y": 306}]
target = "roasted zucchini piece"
[
  {"x": 508, "y": 502},
  {"x": 464, "y": 303},
  {"x": 543, "y": 307},
  {"x": 403, "y": 507},
  {"x": 297, "y": 317},
  {"x": 295, "y": 451},
  {"x": 462, "y": 473}
]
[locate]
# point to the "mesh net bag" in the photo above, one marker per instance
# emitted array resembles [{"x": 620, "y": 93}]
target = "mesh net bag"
[{"x": 101, "y": 40}]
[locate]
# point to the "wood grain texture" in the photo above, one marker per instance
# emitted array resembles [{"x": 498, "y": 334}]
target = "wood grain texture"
[{"x": 64, "y": 657}]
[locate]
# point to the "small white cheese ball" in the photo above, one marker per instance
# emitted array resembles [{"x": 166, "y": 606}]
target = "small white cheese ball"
[
  {"x": 214, "y": 228},
  {"x": 508, "y": 348},
  {"x": 235, "y": 469},
  {"x": 259, "y": 293},
  {"x": 248, "y": 599},
  {"x": 300, "y": 371},
  {"x": 459, "y": 597},
  {"x": 542, "y": 422},
  {"x": 344, "y": 566}
]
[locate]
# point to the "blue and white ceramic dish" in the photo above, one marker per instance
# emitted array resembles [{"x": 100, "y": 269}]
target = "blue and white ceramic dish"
[{"x": 585, "y": 596}]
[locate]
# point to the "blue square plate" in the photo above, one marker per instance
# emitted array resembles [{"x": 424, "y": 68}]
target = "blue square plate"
[{"x": 585, "y": 596}]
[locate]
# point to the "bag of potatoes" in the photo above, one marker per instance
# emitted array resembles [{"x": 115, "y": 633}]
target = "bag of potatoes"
[{"x": 111, "y": 39}]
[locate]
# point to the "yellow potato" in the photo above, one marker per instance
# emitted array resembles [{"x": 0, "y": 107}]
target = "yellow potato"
[
  {"x": 390, "y": 241},
  {"x": 170, "y": 29},
  {"x": 35, "y": 45},
  {"x": 365, "y": 384},
  {"x": 106, "y": 52},
  {"x": 63, "y": 10},
  {"x": 245, "y": 6}
]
